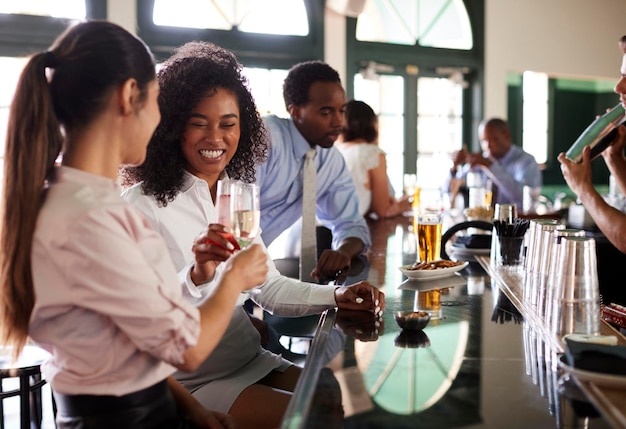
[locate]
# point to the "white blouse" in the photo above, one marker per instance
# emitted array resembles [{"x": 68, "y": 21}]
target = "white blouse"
[
  {"x": 239, "y": 360},
  {"x": 360, "y": 159}
]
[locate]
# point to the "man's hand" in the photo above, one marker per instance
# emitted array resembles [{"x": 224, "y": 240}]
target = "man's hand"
[
  {"x": 478, "y": 160},
  {"x": 330, "y": 264}
]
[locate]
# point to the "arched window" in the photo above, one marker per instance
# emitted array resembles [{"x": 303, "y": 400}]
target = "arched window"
[
  {"x": 243, "y": 15},
  {"x": 255, "y": 30},
  {"x": 434, "y": 23},
  {"x": 432, "y": 52}
]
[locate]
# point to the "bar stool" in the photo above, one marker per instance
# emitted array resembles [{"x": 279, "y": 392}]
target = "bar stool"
[{"x": 27, "y": 370}]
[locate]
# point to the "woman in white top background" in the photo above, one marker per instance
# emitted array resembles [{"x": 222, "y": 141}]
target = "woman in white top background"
[{"x": 367, "y": 162}]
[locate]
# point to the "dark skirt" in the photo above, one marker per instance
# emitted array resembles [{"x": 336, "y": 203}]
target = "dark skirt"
[{"x": 153, "y": 407}]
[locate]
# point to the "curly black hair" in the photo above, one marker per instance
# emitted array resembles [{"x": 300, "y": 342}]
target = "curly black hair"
[
  {"x": 360, "y": 122},
  {"x": 300, "y": 78},
  {"x": 195, "y": 69}
]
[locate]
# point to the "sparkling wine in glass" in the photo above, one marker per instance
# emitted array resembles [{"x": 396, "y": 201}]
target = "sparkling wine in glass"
[{"x": 245, "y": 212}]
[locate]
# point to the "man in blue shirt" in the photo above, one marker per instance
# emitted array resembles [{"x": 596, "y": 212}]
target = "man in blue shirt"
[
  {"x": 507, "y": 166},
  {"x": 315, "y": 100}
]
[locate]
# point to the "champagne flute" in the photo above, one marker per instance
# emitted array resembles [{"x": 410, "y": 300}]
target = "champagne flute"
[
  {"x": 222, "y": 206},
  {"x": 245, "y": 212},
  {"x": 222, "y": 203}
]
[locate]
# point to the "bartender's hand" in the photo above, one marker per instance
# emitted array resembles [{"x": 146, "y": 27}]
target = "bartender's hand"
[
  {"x": 360, "y": 296},
  {"x": 362, "y": 325},
  {"x": 614, "y": 154},
  {"x": 577, "y": 175},
  {"x": 210, "y": 248}
]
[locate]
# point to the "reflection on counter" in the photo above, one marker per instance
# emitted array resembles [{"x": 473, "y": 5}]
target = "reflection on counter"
[{"x": 461, "y": 370}]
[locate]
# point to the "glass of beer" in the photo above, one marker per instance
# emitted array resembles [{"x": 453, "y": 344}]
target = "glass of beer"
[{"x": 429, "y": 236}]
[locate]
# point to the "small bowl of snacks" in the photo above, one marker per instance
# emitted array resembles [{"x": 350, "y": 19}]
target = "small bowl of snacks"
[{"x": 412, "y": 320}]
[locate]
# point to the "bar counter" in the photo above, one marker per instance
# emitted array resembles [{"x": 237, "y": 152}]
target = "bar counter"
[{"x": 481, "y": 364}]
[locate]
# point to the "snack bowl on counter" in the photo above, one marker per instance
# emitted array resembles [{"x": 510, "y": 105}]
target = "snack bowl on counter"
[{"x": 433, "y": 270}]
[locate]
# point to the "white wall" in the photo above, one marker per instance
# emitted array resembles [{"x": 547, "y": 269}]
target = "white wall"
[
  {"x": 568, "y": 38},
  {"x": 124, "y": 13}
]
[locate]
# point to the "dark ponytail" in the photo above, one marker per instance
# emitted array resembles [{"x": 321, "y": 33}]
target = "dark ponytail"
[{"x": 59, "y": 92}]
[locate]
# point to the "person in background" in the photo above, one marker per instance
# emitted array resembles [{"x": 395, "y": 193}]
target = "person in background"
[
  {"x": 507, "y": 166},
  {"x": 83, "y": 274},
  {"x": 609, "y": 220},
  {"x": 315, "y": 100},
  {"x": 210, "y": 130},
  {"x": 622, "y": 44},
  {"x": 367, "y": 163}
]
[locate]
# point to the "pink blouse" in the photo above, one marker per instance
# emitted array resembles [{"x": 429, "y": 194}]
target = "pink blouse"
[{"x": 108, "y": 303}]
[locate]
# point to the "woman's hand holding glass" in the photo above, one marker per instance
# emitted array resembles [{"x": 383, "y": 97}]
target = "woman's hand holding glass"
[
  {"x": 210, "y": 248},
  {"x": 249, "y": 265}
]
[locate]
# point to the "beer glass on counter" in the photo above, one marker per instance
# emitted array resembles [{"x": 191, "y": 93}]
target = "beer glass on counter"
[{"x": 428, "y": 233}]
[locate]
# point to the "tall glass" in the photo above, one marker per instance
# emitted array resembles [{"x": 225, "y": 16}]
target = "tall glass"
[
  {"x": 429, "y": 236},
  {"x": 245, "y": 212},
  {"x": 222, "y": 201},
  {"x": 576, "y": 299}
]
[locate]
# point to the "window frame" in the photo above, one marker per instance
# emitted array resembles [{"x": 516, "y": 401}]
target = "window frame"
[
  {"x": 21, "y": 35},
  {"x": 427, "y": 59},
  {"x": 252, "y": 49}
]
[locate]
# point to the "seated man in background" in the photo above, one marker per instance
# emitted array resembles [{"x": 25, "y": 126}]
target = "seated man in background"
[
  {"x": 315, "y": 100},
  {"x": 507, "y": 166}
]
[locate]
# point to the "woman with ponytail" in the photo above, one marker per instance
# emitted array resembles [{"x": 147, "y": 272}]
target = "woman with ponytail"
[{"x": 82, "y": 273}]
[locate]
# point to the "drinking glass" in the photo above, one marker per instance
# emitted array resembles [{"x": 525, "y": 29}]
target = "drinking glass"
[
  {"x": 510, "y": 253},
  {"x": 245, "y": 212},
  {"x": 429, "y": 236},
  {"x": 222, "y": 203},
  {"x": 576, "y": 299}
]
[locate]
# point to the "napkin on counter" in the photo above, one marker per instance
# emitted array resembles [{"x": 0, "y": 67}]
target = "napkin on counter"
[{"x": 591, "y": 356}]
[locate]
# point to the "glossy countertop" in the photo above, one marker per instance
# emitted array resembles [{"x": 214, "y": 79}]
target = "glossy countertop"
[{"x": 477, "y": 364}]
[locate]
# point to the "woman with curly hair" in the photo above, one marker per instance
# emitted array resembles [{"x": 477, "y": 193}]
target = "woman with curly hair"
[{"x": 210, "y": 130}]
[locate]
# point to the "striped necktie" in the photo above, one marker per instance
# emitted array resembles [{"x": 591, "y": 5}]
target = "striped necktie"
[{"x": 308, "y": 242}]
